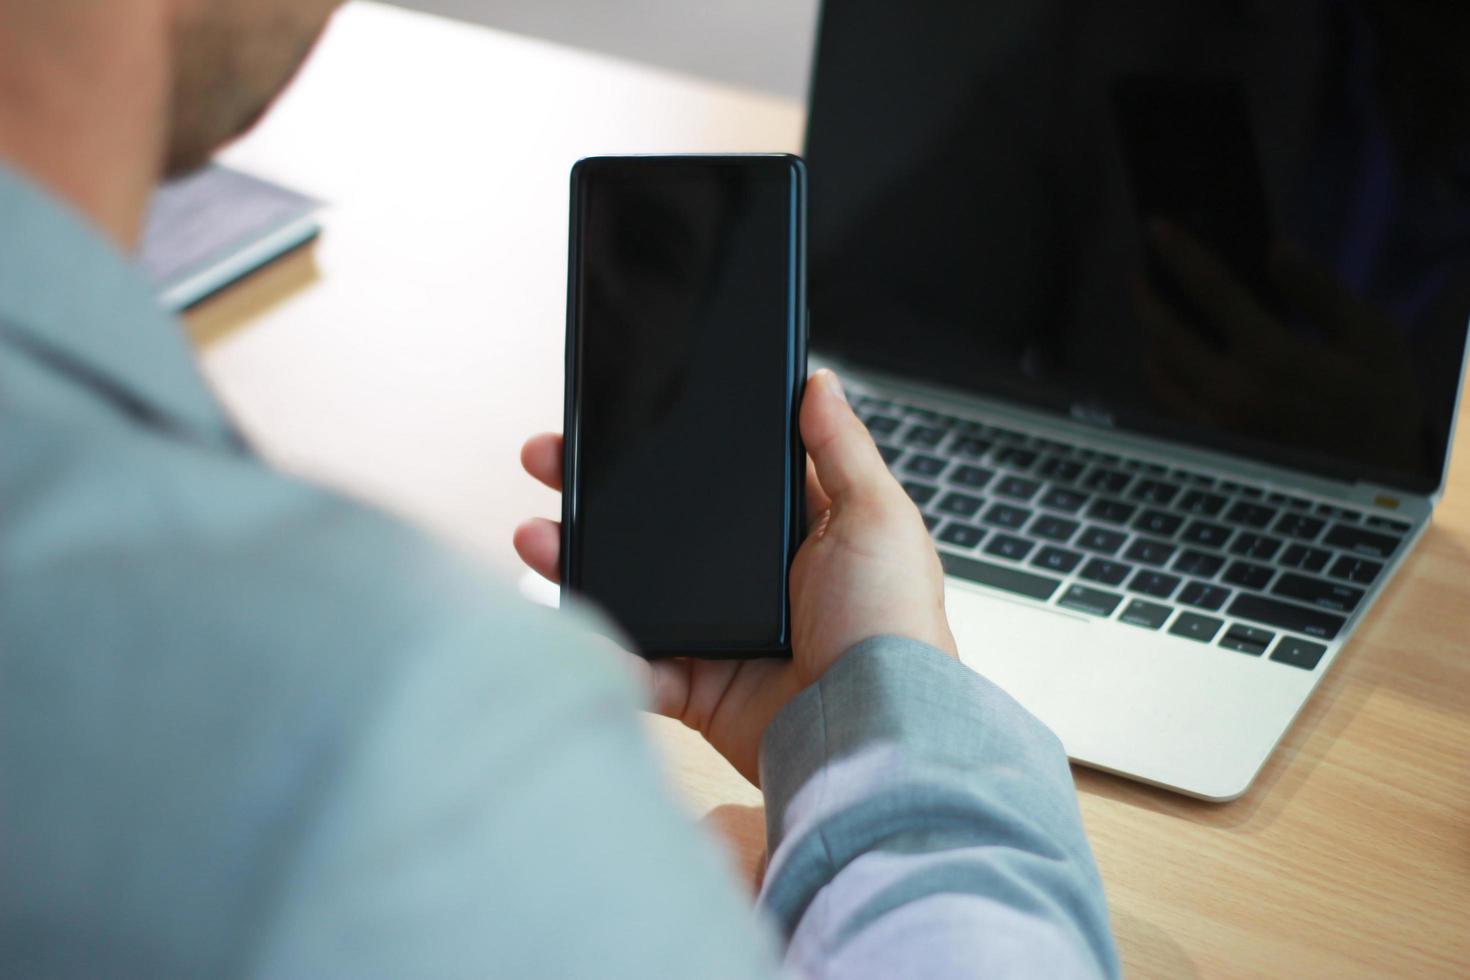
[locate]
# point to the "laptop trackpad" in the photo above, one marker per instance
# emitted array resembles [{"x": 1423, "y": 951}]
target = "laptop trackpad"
[{"x": 1163, "y": 708}]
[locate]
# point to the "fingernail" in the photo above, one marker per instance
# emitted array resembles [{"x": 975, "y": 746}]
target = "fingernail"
[{"x": 834, "y": 384}]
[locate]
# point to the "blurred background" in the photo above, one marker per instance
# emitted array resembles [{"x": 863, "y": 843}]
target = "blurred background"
[{"x": 759, "y": 44}]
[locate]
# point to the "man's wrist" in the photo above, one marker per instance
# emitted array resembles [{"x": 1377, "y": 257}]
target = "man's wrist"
[{"x": 861, "y": 697}]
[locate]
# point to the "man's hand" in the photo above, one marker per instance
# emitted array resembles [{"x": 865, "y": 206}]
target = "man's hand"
[{"x": 867, "y": 569}]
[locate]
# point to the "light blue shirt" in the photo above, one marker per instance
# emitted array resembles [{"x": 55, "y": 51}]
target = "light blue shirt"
[{"x": 248, "y": 728}]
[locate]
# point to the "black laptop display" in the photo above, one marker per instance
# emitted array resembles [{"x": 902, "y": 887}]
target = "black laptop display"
[{"x": 1243, "y": 225}]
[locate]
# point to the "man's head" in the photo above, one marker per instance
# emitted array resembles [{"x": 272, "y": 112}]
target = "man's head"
[
  {"x": 99, "y": 99},
  {"x": 231, "y": 58}
]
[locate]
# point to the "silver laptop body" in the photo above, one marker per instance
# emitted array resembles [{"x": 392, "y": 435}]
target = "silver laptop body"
[{"x": 1158, "y": 310}]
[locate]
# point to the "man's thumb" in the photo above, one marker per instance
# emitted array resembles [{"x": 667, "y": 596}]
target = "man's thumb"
[{"x": 842, "y": 451}]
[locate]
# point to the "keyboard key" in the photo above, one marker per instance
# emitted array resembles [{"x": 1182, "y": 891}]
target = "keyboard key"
[
  {"x": 1094, "y": 602},
  {"x": 1053, "y": 446},
  {"x": 1318, "y": 592},
  {"x": 1307, "y": 559},
  {"x": 962, "y": 535},
  {"x": 1009, "y": 546},
  {"x": 1017, "y": 488},
  {"x": 970, "y": 447},
  {"x": 1362, "y": 542},
  {"x": 1202, "y": 503},
  {"x": 1203, "y": 596},
  {"x": 924, "y": 436},
  {"x": 1259, "y": 546},
  {"x": 1156, "y": 584},
  {"x": 1337, "y": 513},
  {"x": 1199, "y": 563},
  {"x": 924, "y": 465},
  {"x": 1056, "y": 559},
  {"x": 1010, "y": 435},
  {"x": 1251, "y": 515},
  {"x": 1150, "y": 552},
  {"x": 890, "y": 454},
  {"x": 1196, "y": 627},
  {"x": 1054, "y": 528},
  {"x": 1105, "y": 571},
  {"x": 1106, "y": 481},
  {"x": 1287, "y": 616},
  {"x": 1001, "y": 577},
  {"x": 882, "y": 425},
  {"x": 1101, "y": 540},
  {"x": 1059, "y": 499},
  {"x": 1061, "y": 470},
  {"x": 1300, "y": 526},
  {"x": 1007, "y": 516},
  {"x": 1359, "y": 570},
  {"x": 971, "y": 476},
  {"x": 1154, "y": 491},
  {"x": 960, "y": 504},
  {"x": 1298, "y": 653},
  {"x": 1247, "y": 575},
  {"x": 1206, "y": 534},
  {"x": 1112, "y": 511},
  {"x": 1297, "y": 503},
  {"x": 1015, "y": 457},
  {"x": 1385, "y": 524},
  {"x": 1247, "y": 639},
  {"x": 930, "y": 521},
  {"x": 1148, "y": 615},
  {"x": 1158, "y": 522},
  {"x": 921, "y": 493}
]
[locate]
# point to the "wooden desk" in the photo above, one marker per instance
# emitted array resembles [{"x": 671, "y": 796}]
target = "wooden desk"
[{"x": 405, "y": 358}]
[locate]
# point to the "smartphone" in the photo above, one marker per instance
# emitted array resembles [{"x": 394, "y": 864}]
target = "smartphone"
[
  {"x": 686, "y": 359},
  {"x": 1191, "y": 156}
]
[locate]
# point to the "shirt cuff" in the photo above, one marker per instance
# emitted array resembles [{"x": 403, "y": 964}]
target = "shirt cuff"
[{"x": 895, "y": 691}]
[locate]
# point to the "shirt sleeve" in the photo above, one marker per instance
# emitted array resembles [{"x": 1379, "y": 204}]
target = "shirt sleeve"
[
  {"x": 500, "y": 811},
  {"x": 921, "y": 823}
]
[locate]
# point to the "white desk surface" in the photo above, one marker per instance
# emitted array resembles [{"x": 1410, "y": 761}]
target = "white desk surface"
[{"x": 408, "y": 354}]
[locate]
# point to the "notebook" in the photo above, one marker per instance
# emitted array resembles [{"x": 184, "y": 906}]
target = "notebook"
[{"x": 213, "y": 227}]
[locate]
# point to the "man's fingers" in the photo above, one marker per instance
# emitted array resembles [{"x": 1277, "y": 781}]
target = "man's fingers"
[
  {"x": 542, "y": 456},
  {"x": 538, "y": 542},
  {"x": 817, "y": 501},
  {"x": 843, "y": 454},
  {"x": 669, "y": 683}
]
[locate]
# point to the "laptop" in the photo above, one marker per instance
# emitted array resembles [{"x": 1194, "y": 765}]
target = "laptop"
[{"x": 1158, "y": 311}]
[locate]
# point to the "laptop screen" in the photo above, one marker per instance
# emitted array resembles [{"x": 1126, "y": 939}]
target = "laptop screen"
[{"x": 1238, "y": 224}]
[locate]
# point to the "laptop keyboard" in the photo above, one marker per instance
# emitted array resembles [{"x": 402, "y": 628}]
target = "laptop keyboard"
[{"x": 1215, "y": 561}]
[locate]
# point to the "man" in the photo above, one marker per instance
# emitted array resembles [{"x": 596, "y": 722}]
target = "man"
[{"x": 249, "y": 728}]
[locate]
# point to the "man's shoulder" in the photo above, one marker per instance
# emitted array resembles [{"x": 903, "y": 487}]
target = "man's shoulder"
[
  {"x": 187, "y": 560},
  {"x": 198, "y": 653}
]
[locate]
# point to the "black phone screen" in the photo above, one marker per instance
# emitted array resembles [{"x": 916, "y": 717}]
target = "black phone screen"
[{"x": 686, "y": 355}]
